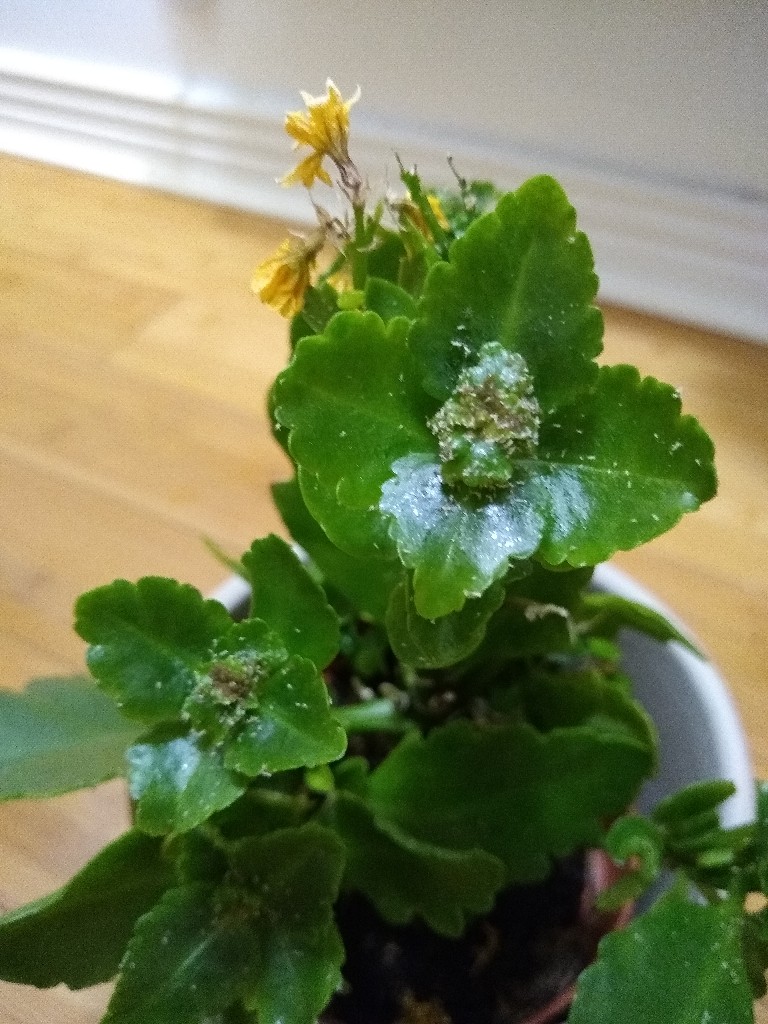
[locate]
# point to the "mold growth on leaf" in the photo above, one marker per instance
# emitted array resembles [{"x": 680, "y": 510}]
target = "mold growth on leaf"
[
  {"x": 223, "y": 694},
  {"x": 491, "y": 419}
]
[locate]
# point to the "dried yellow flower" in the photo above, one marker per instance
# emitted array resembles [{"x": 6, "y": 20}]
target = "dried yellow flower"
[
  {"x": 324, "y": 126},
  {"x": 281, "y": 281}
]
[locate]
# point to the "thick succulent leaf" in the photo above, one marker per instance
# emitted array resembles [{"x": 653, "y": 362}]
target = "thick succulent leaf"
[
  {"x": 423, "y": 643},
  {"x": 59, "y": 735},
  {"x": 178, "y": 782},
  {"x": 457, "y": 546},
  {"x": 524, "y": 796},
  {"x": 366, "y": 584},
  {"x": 362, "y": 533},
  {"x": 353, "y": 405},
  {"x": 294, "y": 876},
  {"x": 606, "y": 614},
  {"x": 406, "y": 878},
  {"x": 191, "y": 956},
  {"x": 287, "y": 598},
  {"x": 616, "y": 469},
  {"x": 523, "y": 276},
  {"x": 388, "y": 300},
  {"x": 147, "y": 639},
  {"x": 680, "y": 963},
  {"x": 290, "y": 724},
  {"x": 77, "y": 936}
]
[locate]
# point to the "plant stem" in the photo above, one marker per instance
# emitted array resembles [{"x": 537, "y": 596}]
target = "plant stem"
[{"x": 379, "y": 715}]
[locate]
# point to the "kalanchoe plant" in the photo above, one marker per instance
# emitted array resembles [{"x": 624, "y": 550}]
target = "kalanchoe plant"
[{"x": 421, "y": 719}]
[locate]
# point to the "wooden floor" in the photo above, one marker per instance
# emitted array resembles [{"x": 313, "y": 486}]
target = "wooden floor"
[{"x": 133, "y": 369}]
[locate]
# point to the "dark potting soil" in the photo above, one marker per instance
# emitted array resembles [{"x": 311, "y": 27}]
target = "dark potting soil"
[{"x": 514, "y": 960}]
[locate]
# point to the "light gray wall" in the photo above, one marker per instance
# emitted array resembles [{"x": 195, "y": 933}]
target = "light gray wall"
[{"x": 674, "y": 89}]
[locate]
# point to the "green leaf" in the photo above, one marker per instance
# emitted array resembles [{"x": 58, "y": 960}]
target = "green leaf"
[
  {"x": 388, "y": 300},
  {"x": 405, "y": 877},
  {"x": 58, "y": 735},
  {"x": 320, "y": 304},
  {"x": 193, "y": 955},
  {"x": 679, "y": 963},
  {"x": 523, "y": 276},
  {"x": 178, "y": 783},
  {"x": 693, "y": 801},
  {"x": 353, "y": 406},
  {"x": 557, "y": 700},
  {"x": 291, "y": 725},
  {"x": 290, "y": 602},
  {"x": 524, "y": 796},
  {"x": 638, "y": 844},
  {"x": 536, "y": 618},
  {"x": 78, "y": 935},
  {"x": 366, "y": 584},
  {"x": 146, "y": 640},
  {"x": 296, "y": 875},
  {"x": 422, "y": 643},
  {"x": 360, "y": 533},
  {"x": 456, "y": 545},
  {"x": 606, "y": 614},
  {"x": 473, "y": 199},
  {"x": 616, "y": 469}
]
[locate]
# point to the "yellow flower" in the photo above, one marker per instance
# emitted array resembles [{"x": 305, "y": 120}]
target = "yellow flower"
[
  {"x": 324, "y": 126},
  {"x": 410, "y": 210},
  {"x": 282, "y": 280},
  {"x": 437, "y": 209}
]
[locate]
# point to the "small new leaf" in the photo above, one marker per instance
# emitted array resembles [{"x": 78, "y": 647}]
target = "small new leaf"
[
  {"x": 422, "y": 643},
  {"x": 290, "y": 602},
  {"x": 58, "y": 735},
  {"x": 78, "y": 935},
  {"x": 147, "y": 639}
]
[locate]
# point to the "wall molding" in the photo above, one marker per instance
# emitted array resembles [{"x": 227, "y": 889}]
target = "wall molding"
[{"x": 684, "y": 253}]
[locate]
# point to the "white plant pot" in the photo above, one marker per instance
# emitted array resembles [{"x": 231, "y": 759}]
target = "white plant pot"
[{"x": 699, "y": 728}]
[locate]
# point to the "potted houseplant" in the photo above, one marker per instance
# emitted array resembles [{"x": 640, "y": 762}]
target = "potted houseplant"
[{"x": 377, "y": 793}]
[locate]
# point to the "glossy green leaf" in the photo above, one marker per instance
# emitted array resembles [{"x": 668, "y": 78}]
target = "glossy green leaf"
[
  {"x": 192, "y": 956},
  {"x": 524, "y": 796},
  {"x": 287, "y": 598},
  {"x": 353, "y": 405},
  {"x": 523, "y": 276},
  {"x": 617, "y": 468},
  {"x": 78, "y": 934},
  {"x": 58, "y": 735},
  {"x": 178, "y": 783},
  {"x": 680, "y": 963},
  {"x": 290, "y": 725},
  {"x": 606, "y": 614},
  {"x": 295, "y": 876},
  {"x": 406, "y": 878},
  {"x": 268, "y": 940},
  {"x": 146, "y": 640},
  {"x": 457, "y": 546},
  {"x": 423, "y": 643},
  {"x": 536, "y": 618},
  {"x": 365, "y": 584},
  {"x": 362, "y": 533}
]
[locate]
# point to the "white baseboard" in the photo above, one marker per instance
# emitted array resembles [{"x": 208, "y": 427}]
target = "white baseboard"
[{"x": 664, "y": 248}]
